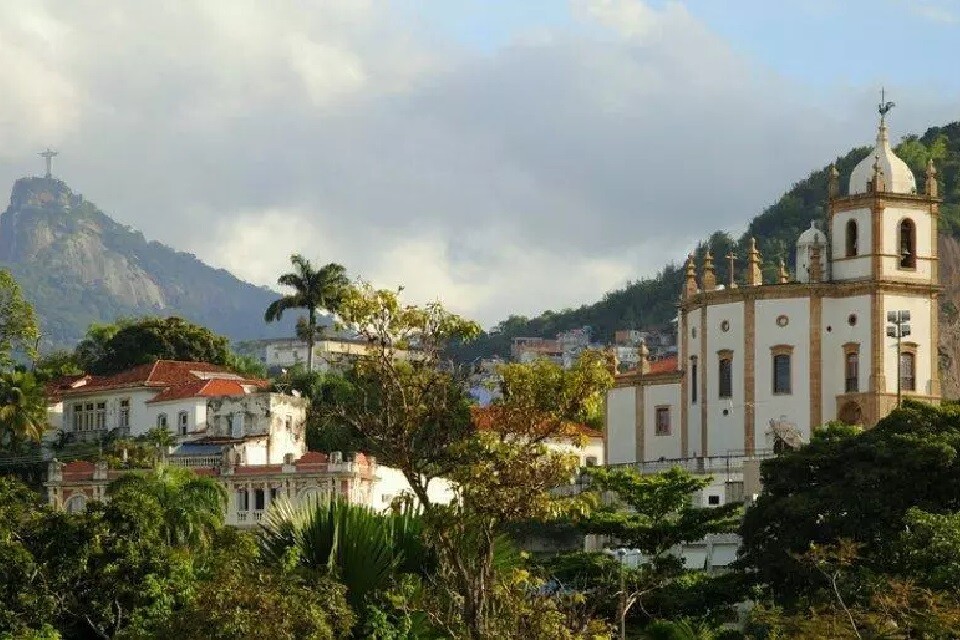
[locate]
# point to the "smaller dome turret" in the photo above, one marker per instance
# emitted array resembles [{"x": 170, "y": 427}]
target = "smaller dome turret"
[{"x": 812, "y": 237}]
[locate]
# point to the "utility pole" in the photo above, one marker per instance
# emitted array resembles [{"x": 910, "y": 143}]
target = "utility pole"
[{"x": 898, "y": 328}]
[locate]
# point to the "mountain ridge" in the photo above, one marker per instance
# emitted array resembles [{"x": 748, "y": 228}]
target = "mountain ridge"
[{"x": 77, "y": 266}]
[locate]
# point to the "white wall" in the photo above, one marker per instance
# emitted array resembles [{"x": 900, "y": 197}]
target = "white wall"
[
  {"x": 593, "y": 448},
  {"x": 667, "y": 446},
  {"x": 795, "y": 406},
  {"x": 725, "y": 431},
  {"x": 843, "y": 268},
  {"x": 621, "y": 441},
  {"x": 920, "y": 309},
  {"x": 391, "y": 484},
  {"x": 836, "y": 332},
  {"x": 693, "y": 338}
]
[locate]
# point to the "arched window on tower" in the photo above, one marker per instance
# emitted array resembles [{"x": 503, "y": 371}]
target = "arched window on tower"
[
  {"x": 908, "y": 379},
  {"x": 908, "y": 244},
  {"x": 851, "y": 238}
]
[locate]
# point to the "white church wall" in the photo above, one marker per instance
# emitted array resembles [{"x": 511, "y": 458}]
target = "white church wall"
[
  {"x": 694, "y": 333},
  {"x": 836, "y": 332},
  {"x": 890, "y": 263},
  {"x": 661, "y": 446},
  {"x": 724, "y": 415},
  {"x": 920, "y": 309},
  {"x": 621, "y": 441},
  {"x": 844, "y": 268},
  {"x": 795, "y": 406}
]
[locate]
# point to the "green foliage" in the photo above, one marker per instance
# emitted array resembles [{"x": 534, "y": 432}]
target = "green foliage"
[
  {"x": 150, "y": 339},
  {"x": 857, "y": 487},
  {"x": 240, "y": 597},
  {"x": 191, "y": 507},
  {"x": 653, "y": 512},
  {"x": 930, "y": 549},
  {"x": 18, "y": 324},
  {"x": 360, "y": 547},
  {"x": 57, "y": 364},
  {"x": 23, "y": 409}
]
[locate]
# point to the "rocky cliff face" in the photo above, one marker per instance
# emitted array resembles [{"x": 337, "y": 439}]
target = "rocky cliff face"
[{"x": 77, "y": 266}]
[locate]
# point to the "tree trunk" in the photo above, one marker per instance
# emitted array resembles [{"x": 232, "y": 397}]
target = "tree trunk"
[{"x": 312, "y": 314}]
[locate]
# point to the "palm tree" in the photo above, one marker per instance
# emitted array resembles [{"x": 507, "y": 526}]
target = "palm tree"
[
  {"x": 192, "y": 506},
  {"x": 359, "y": 546},
  {"x": 23, "y": 407},
  {"x": 313, "y": 290}
]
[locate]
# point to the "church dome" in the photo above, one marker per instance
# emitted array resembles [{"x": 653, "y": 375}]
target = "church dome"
[
  {"x": 897, "y": 176},
  {"x": 812, "y": 236}
]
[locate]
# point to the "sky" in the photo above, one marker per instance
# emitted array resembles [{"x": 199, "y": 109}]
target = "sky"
[{"x": 502, "y": 157}]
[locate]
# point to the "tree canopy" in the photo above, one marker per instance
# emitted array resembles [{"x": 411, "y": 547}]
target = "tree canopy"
[{"x": 111, "y": 349}]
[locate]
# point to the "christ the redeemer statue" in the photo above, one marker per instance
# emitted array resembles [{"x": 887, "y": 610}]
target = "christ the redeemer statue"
[{"x": 48, "y": 155}]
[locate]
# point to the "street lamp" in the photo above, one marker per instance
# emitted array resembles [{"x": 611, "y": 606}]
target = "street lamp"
[{"x": 898, "y": 328}]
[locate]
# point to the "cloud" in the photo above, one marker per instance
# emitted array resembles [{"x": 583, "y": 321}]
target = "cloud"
[
  {"x": 934, "y": 12},
  {"x": 538, "y": 175}
]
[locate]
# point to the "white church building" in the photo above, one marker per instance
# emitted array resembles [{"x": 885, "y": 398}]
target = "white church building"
[{"x": 757, "y": 360}]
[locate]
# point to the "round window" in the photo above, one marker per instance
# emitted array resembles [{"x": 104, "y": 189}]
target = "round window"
[
  {"x": 852, "y": 319},
  {"x": 782, "y": 321},
  {"x": 725, "y": 326}
]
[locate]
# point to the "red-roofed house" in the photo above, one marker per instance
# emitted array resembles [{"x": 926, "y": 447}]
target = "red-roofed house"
[{"x": 195, "y": 401}]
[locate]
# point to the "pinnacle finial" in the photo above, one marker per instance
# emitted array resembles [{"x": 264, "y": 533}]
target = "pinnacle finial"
[
  {"x": 932, "y": 188},
  {"x": 833, "y": 181},
  {"x": 782, "y": 276},
  {"x": 709, "y": 274}
]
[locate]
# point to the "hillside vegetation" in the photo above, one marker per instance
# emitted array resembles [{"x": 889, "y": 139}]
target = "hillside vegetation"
[{"x": 652, "y": 301}]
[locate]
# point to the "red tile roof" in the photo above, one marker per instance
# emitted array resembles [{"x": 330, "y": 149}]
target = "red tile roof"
[
  {"x": 174, "y": 379},
  {"x": 667, "y": 365},
  {"x": 208, "y": 389}
]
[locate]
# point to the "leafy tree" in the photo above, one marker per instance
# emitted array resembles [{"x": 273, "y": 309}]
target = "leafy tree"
[
  {"x": 93, "y": 348},
  {"x": 150, "y": 339},
  {"x": 929, "y": 549},
  {"x": 23, "y": 408},
  {"x": 56, "y": 364},
  {"x": 414, "y": 414},
  {"x": 854, "y": 486},
  {"x": 18, "y": 324},
  {"x": 247, "y": 366},
  {"x": 239, "y": 596},
  {"x": 653, "y": 513},
  {"x": 313, "y": 289},
  {"x": 191, "y": 507}
]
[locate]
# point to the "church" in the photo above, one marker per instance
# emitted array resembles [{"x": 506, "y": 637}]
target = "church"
[{"x": 759, "y": 363}]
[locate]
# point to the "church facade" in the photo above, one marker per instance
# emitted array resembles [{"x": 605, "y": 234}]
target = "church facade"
[{"x": 760, "y": 361}]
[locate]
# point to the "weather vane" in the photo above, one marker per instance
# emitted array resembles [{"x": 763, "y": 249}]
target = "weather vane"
[{"x": 884, "y": 105}]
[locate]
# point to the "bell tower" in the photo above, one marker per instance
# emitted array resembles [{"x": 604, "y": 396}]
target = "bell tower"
[{"x": 884, "y": 250}]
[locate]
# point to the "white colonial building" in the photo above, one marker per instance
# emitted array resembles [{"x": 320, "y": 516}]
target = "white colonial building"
[{"x": 758, "y": 362}]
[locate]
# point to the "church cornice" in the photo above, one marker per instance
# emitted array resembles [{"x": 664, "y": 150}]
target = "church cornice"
[
  {"x": 792, "y": 290},
  {"x": 882, "y": 199}
]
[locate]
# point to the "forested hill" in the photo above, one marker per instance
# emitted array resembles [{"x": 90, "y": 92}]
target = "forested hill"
[
  {"x": 652, "y": 301},
  {"x": 78, "y": 266}
]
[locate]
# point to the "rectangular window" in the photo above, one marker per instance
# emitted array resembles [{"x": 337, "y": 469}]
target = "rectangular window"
[
  {"x": 852, "y": 374},
  {"x": 289, "y": 423},
  {"x": 101, "y": 415},
  {"x": 273, "y": 493},
  {"x": 123, "y": 420},
  {"x": 662, "y": 421},
  {"x": 243, "y": 500},
  {"x": 591, "y": 461},
  {"x": 908, "y": 381},
  {"x": 725, "y": 377},
  {"x": 781, "y": 373},
  {"x": 693, "y": 380},
  {"x": 162, "y": 421},
  {"x": 182, "y": 423},
  {"x": 77, "y": 417},
  {"x": 259, "y": 500},
  {"x": 88, "y": 417}
]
